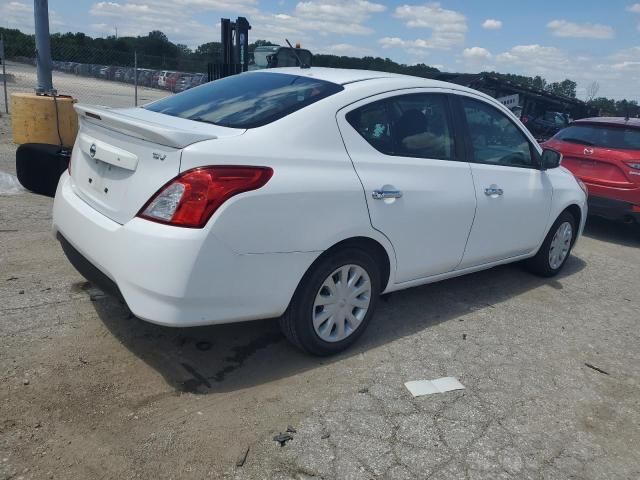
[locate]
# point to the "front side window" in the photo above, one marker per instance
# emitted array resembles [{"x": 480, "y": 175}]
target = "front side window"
[
  {"x": 495, "y": 138},
  {"x": 246, "y": 101},
  {"x": 409, "y": 125}
]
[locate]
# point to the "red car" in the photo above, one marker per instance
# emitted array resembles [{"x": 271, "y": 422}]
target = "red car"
[{"x": 604, "y": 153}]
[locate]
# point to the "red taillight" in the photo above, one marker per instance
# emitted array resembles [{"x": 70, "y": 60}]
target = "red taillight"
[{"x": 192, "y": 197}]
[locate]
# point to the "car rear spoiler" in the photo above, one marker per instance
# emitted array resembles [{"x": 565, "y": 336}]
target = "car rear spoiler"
[{"x": 143, "y": 129}]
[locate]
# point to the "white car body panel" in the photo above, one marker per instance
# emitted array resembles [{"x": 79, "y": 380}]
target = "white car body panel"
[
  {"x": 248, "y": 260},
  {"x": 511, "y": 224},
  {"x": 176, "y": 276},
  {"x": 437, "y": 207}
]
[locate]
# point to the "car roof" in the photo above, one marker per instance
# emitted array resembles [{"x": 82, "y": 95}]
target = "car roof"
[
  {"x": 344, "y": 76},
  {"x": 617, "y": 121},
  {"x": 340, "y": 76}
]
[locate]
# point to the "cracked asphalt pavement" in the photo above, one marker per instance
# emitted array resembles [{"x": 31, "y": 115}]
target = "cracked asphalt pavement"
[{"x": 88, "y": 391}]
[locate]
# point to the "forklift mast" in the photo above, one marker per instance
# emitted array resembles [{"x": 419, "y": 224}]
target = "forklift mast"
[{"x": 235, "y": 42}]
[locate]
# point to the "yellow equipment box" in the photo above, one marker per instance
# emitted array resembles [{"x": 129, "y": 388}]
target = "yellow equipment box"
[{"x": 33, "y": 119}]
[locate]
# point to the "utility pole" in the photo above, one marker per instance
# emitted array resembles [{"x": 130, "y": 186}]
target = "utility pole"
[
  {"x": 135, "y": 76},
  {"x": 4, "y": 73},
  {"x": 43, "y": 48}
]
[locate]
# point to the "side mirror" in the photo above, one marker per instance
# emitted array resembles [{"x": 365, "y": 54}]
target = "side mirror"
[{"x": 550, "y": 159}]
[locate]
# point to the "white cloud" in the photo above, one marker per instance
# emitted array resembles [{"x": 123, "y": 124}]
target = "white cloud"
[
  {"x": 476, "y": 53},
  {"x": 355, "y": 10},
  {"x": 310, "y": 19},
  {"x": 563, "y": 28},
  {"x": 492, "y": 24},
  {"x": 538, "y": 59},
  {"x": 346, "y": 49},
  {"x": 635, "y": 8},
  {"x": 19, "y": 14},
  {"x": 181, "y": 25},
  {"x": 618, "y": 73},
  {"x": 448, "y": 28}
]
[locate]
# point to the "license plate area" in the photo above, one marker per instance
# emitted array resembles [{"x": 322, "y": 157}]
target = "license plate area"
[{"x": 104, "y": 181}]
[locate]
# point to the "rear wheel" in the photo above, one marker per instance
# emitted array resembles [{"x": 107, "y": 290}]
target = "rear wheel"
[
  {"x": 556, "y": 247},
  {"x": 333, "y": 303}
]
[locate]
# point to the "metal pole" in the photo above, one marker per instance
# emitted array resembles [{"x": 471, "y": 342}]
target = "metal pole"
[
  {"x": 43, "y": 47},
  {"x": 135, "y": 76},
  {"x": 4, "y": 74}
]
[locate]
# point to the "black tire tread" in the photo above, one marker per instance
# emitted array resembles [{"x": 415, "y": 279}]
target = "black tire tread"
[
  {"x": 539, "y": 264},
  {"x": 290, "y": 322}
]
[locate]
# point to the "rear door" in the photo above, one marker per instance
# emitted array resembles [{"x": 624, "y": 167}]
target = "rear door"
[
  {"x": 418, "y": 189},
  {"x": 514, "y": 195}
]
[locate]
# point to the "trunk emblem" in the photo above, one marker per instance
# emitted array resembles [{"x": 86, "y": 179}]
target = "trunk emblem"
[
  {"x": 159, "y": 156},
  {"x": 588, "y": 151},
  {"x": 92, "y": 150}
]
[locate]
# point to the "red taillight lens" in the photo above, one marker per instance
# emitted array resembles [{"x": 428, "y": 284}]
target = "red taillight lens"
[{"x": 192, "y": 197}]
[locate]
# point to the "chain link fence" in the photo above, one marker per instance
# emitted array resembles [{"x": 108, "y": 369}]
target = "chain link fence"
[{"x": 103, "y": 77}]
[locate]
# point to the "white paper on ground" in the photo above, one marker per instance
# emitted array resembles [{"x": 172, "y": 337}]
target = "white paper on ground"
[
  {"x": 439, "y": 385},
  {"x": 9, "y": 185}
]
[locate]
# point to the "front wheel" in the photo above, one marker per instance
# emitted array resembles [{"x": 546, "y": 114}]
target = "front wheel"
[
  {"x": 556, "y": 247},
  {"x": 334, "y": 303}
]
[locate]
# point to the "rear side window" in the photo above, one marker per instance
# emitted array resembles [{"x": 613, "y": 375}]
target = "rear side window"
[
  {"x": 414, "y": 125},
  {"x": 246, "y": 101},
  {"x": 494, "y": 137},
  {"x": 619, "y": 138}
]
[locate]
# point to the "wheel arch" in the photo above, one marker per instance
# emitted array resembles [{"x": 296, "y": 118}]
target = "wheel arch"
[
  {"x": 376, "y": 249},
  {"x": 576, "y": 212}
]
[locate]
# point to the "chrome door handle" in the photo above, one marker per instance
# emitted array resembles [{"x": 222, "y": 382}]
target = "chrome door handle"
[
  {"x": 492, "y": 190},
  {"x": 382, "y": 194}
]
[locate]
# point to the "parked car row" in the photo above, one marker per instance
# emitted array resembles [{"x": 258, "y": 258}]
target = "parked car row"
[{"x": 165, "y": 79}]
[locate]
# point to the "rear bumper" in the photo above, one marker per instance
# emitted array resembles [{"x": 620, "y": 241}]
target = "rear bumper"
[
  {"x": 174, "y": 276},
  {"x": 88, "y": 270},
  {"x": 613, "y": 209}
]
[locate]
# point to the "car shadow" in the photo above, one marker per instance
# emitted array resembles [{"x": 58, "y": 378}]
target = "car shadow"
[
  {"x": 224, "y": 358},
  {"x": 625, "y": 234}
]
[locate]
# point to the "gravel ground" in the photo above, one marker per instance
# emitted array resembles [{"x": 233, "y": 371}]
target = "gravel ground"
[{"x": 87, "y": 391}]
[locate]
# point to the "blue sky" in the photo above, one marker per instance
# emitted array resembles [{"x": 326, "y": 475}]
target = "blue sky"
[{"x": 586, "y": 40}]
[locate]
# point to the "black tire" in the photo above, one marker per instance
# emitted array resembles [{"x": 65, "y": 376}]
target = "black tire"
[
  {"x": 297, "y": 321},
  {"x": 39, "y": 166},
  {"x": 540, "y": 264}
]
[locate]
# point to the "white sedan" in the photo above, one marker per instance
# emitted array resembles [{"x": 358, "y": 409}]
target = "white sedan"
[{"x": 304, "y": 194}]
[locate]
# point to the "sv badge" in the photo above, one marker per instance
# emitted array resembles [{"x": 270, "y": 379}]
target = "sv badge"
[{"x": 159, "y": 156}]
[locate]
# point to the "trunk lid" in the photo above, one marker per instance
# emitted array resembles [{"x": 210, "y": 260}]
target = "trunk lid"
[
  {"x": 598, "y": 165},
  {"x": 122, "y": 157}
]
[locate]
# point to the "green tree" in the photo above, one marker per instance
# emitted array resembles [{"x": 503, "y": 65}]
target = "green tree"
[{"x": 566, "y": 87}]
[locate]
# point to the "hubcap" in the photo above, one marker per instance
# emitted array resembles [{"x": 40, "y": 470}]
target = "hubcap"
[
  {"x": 560, "y": 245},
  {"x": 341, "y": 303}
]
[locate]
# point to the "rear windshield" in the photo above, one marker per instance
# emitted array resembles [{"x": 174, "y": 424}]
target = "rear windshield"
[
  {"x": 601, "y": 136},
  {"x": 246, "y": 101}
]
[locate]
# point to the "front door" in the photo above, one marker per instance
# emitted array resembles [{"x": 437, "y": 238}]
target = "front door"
[
  {"x": 514, "y": 195},
  {"x": 418, "y": 189}
]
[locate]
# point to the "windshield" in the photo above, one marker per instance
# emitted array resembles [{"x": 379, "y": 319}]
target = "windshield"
[
  {"x": 620, "y": 138},
  {"x": 247, "y": 100}
]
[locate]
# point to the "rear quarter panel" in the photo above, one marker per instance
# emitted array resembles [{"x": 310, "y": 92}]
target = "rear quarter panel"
[{"x": 314, "y": 199}]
